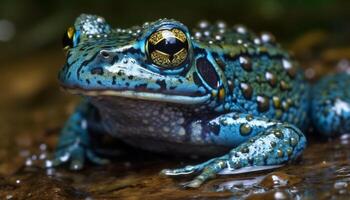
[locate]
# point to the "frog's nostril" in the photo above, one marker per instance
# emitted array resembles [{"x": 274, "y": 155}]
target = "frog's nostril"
[
  {"x": 97, "y": 70},
  {"x": 105, "y": 54},
  {"x": 109, "y": 56}
]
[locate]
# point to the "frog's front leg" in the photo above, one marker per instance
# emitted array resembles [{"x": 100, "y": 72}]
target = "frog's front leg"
[
  {"x": 74, "y": 143},
  {"x": 266, "y": 143}
]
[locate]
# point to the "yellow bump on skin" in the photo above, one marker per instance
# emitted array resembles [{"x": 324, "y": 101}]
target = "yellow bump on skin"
[
  {"x": 279, "y": 153},
  {"x": 289, "y": 151},
  {"x": 245, "y": 129},
  {"x": 276, "y": 102},
  {"x": 214, "y": 93},
  {"x": 293, "y": 141},
  {"x": 278, "y": 133},
  {"x": 221, "y": 94}
]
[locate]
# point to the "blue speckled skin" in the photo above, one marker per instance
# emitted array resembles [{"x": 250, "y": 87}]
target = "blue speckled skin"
[{"x": 229, "y": 91}]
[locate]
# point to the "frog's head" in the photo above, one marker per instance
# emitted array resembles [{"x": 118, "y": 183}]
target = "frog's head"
[{"x": 158, "y": 61}]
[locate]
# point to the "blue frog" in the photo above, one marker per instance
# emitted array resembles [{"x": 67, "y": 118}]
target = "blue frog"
[{"x": 216, "y": 91}]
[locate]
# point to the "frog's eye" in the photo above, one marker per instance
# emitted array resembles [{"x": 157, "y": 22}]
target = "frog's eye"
[
  {"x": 68, "y": 38},
  {"x": 167, "y": 48}
]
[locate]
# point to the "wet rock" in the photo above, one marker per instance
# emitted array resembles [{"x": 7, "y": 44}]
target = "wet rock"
[
  {"x": 271, "y": 195},
  {"x": 37, "y": 186},
  {"x": 279, "y": 179}
]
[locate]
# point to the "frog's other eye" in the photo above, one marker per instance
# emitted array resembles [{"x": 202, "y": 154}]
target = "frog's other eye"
[
  {"x": 68, "y": 38},
  {"x": 167, "y": 48}
]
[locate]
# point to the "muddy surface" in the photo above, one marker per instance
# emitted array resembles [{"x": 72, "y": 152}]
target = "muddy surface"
[{"x": 33, "y": 109}]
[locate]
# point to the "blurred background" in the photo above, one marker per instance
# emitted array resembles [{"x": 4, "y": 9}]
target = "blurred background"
[{"x": 32, "y": 107}]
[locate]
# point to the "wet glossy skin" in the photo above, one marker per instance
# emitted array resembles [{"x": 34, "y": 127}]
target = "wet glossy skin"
[{"x": 211, "y": 91}]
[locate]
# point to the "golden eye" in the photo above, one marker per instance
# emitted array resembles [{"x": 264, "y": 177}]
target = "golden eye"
[
  {"x": 68, "y": 37},
  {"x": 168, "y": 48}
]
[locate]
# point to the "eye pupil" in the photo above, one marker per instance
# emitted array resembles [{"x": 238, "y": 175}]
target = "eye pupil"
[
  {"x": 168, "y": 48},
  {"x": 170, "y": 45}
]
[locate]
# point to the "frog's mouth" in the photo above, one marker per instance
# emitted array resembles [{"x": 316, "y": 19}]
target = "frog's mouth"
[{"x": 170, "y": 98}]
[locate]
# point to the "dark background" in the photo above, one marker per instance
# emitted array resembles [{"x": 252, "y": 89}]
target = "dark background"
[{"x": 39, "y": 24}]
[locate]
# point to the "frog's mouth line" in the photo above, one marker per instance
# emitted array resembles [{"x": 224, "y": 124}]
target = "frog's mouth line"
[{"x": 141, "y": 95}]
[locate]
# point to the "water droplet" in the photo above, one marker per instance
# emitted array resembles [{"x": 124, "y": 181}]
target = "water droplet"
[
  {"x": 218, "y": 37},
  {"x": 280, "y": 195},
  {"x": 48, "y": 163},
  {"x": 267, "y": 38},
  {"x": 203, "y": 24},
  {"x": 340, "y": 185},
  {"x": 286, "y": 64},
  {"x": 207, "y": 33},
  {"x": 241, "y": 29},
  {"x": 43, "y": 147},
  {"x": 34, "y": 157},
  {"x": 257, "y": 41},
  {"x": 100, "y": 20},
  {"x": 50, "y": 171},
  {"x": 65, "y": 157},
  {"x": 29, "y": 162},
  {"x": 221, "y": 24},
  {"x": 198, "y": 35}
]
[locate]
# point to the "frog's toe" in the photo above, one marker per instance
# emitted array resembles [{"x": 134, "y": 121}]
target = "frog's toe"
[
  {"x": 75, "y": 156},
  {"x": 186, "y": 170},
  {"x": 192, "y": 184},
  {"x": 180, "y": 171},
  {"x": 96, "y": 159},
  {"x": 77, "y": 159},
  {"x": 58, "y": 160},
  {"x": 209, "y": 171}
]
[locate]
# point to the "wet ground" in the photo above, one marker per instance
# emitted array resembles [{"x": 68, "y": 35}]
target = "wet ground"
[{"x": 33, "y": 109}]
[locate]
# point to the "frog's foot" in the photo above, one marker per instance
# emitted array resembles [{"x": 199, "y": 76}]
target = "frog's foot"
[
  {"x": 209, "y": 170},
  {"x": 74, "y": 143},
  {"x": 75, "y": 154},
  {"x": 186, "y": 170},
  {"x": 274, "y": 146}
]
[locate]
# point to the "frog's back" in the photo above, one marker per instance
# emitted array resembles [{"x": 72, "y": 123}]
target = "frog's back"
[{"x": 262, "y": 78}]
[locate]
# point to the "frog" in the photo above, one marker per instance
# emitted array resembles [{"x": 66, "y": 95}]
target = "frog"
[{"x": 214, "y": 91}]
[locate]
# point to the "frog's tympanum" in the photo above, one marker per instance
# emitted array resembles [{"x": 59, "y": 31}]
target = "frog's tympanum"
[{"x": 215, "y": 91}]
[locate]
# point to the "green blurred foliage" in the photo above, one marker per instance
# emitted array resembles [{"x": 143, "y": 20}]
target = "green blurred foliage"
[{"x": 40, "y": 23}]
